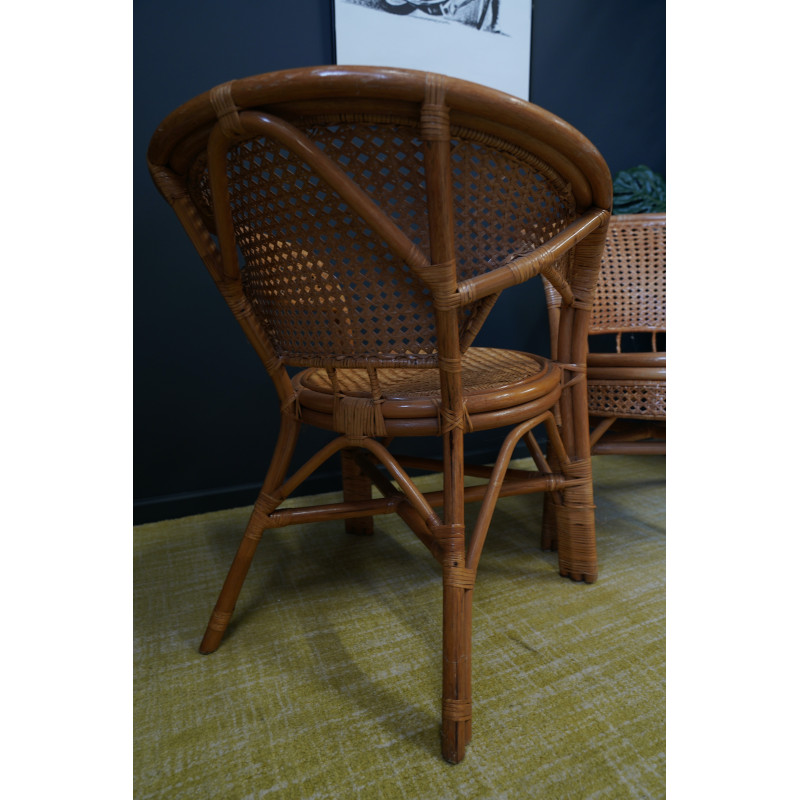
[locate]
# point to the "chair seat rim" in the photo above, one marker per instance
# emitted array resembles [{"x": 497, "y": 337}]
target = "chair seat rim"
[
  {"x": 646, "y": 359},
  {"x": 315, "y": 392},
  {"x": 430, "y": 425}
]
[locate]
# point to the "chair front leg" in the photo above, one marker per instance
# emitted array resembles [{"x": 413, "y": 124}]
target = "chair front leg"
[
  {"x": 577, "y": 550},
  {"x": 549, "y": 536},
  {"x": 265, "y": 504},
  {"x": 458, "y": 584}
]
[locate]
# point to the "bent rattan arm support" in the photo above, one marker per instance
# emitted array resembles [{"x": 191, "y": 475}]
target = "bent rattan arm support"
[
  {"x": 255, "y": 124},
  {"x": 541, "y": 260}
]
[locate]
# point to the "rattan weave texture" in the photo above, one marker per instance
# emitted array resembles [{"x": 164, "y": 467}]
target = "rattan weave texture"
[
  {"x": 630, "y": 301},
  {"x": 316, "y": 273},
  {"x": 645, "y": 400},
  {"x": 485, "y": 371},
  {"x": 632, "y": 287}
]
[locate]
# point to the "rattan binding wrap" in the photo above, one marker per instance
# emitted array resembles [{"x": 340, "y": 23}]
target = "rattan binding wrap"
[{"x": 360, "y": 223}]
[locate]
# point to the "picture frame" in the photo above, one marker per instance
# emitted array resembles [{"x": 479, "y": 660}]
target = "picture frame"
[{"x": 484, "y": 41}]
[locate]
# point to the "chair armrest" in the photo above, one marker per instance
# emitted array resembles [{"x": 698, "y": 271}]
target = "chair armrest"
[{"x": 541, "y": 260}]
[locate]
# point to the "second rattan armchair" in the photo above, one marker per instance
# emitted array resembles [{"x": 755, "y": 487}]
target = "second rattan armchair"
[
  {"x": 628, "y": 387},
  {"x": 360, "y": 223}
]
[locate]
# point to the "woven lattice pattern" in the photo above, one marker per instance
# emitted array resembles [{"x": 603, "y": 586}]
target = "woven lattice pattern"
[
  {"x": 386, "y": 160},
  {"x": 506, "y": 201},
  {"x": 631, "y": 298},
  {"x": 483, "y": 370},
  {"x": 631, "y": 291},
  {"x": 645, "y": 400},
  {"x": 506, "y": 204},
  {"x": 322, "y": 281},
  {"x": 317, "y": 275}
]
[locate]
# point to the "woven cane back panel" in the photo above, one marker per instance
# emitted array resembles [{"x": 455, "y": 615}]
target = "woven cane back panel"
[
  {"x": 507, "y": 203},
  {"x": 631, "y": 290},
  {"x": 325, "y": 285},
  {"x": 645, "y": 400},
  {"x": 631, "y": 295},
  {"x": 322, "y": 282}
]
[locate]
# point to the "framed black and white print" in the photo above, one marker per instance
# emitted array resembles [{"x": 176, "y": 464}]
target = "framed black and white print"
[{"x": 485, "y": 41}]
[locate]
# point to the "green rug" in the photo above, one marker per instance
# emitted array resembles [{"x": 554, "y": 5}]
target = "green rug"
[{"x": 327, "y": 683}]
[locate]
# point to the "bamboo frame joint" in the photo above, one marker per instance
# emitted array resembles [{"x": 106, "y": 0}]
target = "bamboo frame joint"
[
  {"x": 458, "y": 577},
  {"x": 456, "y": 710},
  {"x": 452, "y": 419},
  {"x": 448, "y": 301},
  {"x": 434, "y": 114},
  {"x": 291, "y": 405},
  {"x": 219, "y": 620},
  {"x": 227, "y": 111},
  {"x": 265, "y": 504},
  {"x": 452, "y": 365}
]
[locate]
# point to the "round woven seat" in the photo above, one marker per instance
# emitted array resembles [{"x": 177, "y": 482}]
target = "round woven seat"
[{"x": 497, "y": 383}]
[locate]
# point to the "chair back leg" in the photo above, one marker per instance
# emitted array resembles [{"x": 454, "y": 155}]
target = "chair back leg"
[
  {"x": 456, "y": 662},
  {"x": 355, "y": 486}
]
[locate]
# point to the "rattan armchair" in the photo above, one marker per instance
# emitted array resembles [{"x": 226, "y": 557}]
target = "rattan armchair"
[{"x": 360, "y": 223}]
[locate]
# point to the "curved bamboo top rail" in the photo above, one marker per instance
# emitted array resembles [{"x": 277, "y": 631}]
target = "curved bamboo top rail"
[{"x": 302, "y": 89}]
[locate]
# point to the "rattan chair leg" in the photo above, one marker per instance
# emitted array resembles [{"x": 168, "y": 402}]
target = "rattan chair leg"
[
  {"x": 549, "y": 531},
  {"x": 355, "y": 486},
  {"x": 264, "y": 505},
  {"x": 223, "y": 610},
  {"x": 575, "y": 519},
  {"x": 549, "y": 534},
  {"x": 457, "y": 666}
]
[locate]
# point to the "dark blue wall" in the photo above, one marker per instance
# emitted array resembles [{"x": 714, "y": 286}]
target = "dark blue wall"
[
  {"x": 601, "y": 66},
  {"x": 204, "y": 410}
]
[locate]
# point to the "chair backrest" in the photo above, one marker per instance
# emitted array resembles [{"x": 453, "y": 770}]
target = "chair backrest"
[
  {"x": 348, "y": 214},
  {"x": 631, "y": 288}
]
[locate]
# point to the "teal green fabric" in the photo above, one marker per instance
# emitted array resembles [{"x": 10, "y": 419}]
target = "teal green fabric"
[
  {"x": 327, "y": 684},
  {"x": 639, "y": 190}
]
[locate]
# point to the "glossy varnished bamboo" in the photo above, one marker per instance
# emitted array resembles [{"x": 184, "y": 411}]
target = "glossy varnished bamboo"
[
  {"x": 457, "y": 599},
  {"x": 202, "y": 159}
]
